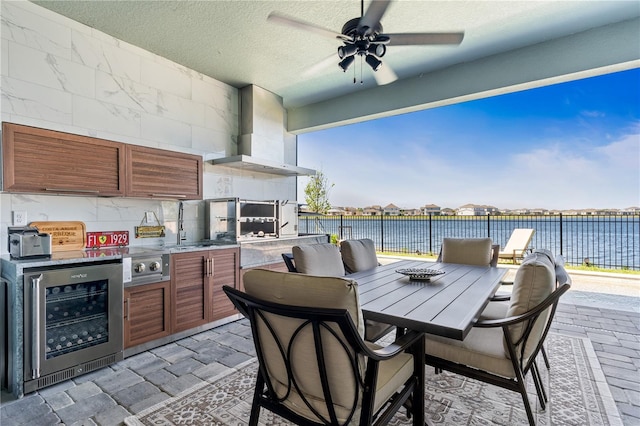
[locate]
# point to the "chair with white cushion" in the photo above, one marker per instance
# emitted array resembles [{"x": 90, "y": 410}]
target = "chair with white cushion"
[
  {"x": 517, "y": 245},
  {"x": 499, "y": 305},
  {"x": 324, "y": 260},
  {"x": 314, "y": 366},
  {"x": 360, "y": 255},
  {"x": 318, "y": 259},
  {"x": 469, "y": 251},
  {"x": 503, "y": 351}
]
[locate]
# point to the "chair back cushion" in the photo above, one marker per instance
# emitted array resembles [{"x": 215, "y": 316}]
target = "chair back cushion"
[
  {"x": 285, "y": 340},
  {"x": 318, "y": 259},
  {"x": 469, "y": 251},
  {"x": 358, "y": 255},
  {"x": 535, "y": 280}
]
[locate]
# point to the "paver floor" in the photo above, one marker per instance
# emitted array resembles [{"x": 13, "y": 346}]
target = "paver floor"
[{"x": 107, "y": 396}]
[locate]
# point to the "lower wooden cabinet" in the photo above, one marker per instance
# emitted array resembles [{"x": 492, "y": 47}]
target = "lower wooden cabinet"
[
  {"x": 146, "y": 313},
  {"x": 197, "y": 278},
  {"x": 192, "y": 298}
]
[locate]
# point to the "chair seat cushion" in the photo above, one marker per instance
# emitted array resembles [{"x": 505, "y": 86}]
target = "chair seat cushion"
[
  {"x": 392, "y": 374},
  {"x": 374, "y": 330},
  {"x": 495, "y": 310},
  {"x": 481, "y": 349}
]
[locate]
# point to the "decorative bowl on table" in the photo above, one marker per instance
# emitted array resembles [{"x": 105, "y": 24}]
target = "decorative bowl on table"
[{"x": 419, "y": 273}]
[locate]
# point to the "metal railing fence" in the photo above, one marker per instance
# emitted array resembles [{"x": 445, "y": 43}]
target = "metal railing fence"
[{"x": 611, "y": 242}]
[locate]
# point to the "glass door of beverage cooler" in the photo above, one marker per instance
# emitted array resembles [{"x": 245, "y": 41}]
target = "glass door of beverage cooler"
[{"x": 75, "y": 320}]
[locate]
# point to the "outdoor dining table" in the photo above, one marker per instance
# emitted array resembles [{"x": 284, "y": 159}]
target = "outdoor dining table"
[{"x": 447, "y": 304}]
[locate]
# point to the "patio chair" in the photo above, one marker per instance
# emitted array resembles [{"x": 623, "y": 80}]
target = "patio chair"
[
  {"x": 499, "y": 304},
  {"x": 360, "y": 255},
  {"x": 502, "y": 352},
  {"x": 324, "y": 260},
  {"x": 314, "y": 366},
  {"x": 517, "y": 245},
  {"x": 469, "y": 251}
]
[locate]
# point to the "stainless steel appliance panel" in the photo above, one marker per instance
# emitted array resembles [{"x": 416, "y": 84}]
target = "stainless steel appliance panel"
[
  {"x": 73, "y": 321},
  {"x": 232, "y": 219}
]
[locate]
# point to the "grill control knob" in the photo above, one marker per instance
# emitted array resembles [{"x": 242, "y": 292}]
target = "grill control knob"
[
  {"x": 155, "y": 266},
  {"x": 139, "y": 268}
]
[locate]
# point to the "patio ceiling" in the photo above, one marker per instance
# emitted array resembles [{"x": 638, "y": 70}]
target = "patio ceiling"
[{"x": 508, "y": 46}]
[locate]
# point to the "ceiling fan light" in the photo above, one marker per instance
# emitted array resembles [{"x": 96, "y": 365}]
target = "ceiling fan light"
[
  {"x": 347, "y": 50},
  {"x": 373, "y": 62},
  {"x": 346, "y": 63},
  {"x": 377, "y": 49}
]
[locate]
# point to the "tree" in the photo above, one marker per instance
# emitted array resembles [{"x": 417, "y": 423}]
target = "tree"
[{"x": 316, "y": 193}]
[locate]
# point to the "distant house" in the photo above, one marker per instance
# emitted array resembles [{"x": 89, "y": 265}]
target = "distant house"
[
  {"x": 351, "y": 211},
  {"x": 411, "y": 212},
  {"x": 475, "y": 210},
  {"x": 391, "y": 210},
  {"x": 336, "y": 211},
  {"x": 431, "y": 209},
  {"x": 372, "y": 211},
  {"x": 447, "y": 212}
]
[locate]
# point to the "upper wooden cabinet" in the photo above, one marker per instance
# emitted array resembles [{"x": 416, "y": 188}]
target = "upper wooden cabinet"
[
  {"x": 158, "y": 173},
  {"x": 46, "y": 161}
]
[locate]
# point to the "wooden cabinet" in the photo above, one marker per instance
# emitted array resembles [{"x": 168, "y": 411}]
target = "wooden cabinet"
[
  {"x": 225, "y": 272},
  {"x": 197, "y": 278},
  {"x": 45, "y": 161},
  {"x": 147, "y": 313},
  {"x": 159, "y": 173}
]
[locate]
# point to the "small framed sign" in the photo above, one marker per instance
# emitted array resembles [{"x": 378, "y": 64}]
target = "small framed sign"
[{"x": 107, "y": 239}]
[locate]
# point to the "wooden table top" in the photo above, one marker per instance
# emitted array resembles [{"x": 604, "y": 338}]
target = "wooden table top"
[{"x": 447, "y": 305}]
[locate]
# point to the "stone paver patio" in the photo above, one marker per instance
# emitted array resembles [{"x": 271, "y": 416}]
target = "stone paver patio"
[{"x": 107, "y": 396}]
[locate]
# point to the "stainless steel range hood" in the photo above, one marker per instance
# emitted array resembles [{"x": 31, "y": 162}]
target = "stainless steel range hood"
[
  {"x": 254, "y": 164},
  {"x": 263, "y": 140}
]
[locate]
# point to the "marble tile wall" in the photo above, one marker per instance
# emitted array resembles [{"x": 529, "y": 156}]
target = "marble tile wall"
[{"x": 62, "y": 75}]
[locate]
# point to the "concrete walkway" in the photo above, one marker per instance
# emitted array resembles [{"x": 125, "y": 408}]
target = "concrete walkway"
[{"x": 105, "y": 397}]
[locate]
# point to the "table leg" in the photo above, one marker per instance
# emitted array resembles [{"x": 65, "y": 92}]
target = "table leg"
[{"x": 418, "y": 395}]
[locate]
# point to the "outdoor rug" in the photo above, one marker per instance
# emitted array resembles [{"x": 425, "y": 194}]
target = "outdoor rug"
[{"x": 578, "y": 395}]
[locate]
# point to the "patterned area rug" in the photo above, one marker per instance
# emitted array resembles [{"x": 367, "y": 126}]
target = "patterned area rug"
[{"x": 579, "y": 395}]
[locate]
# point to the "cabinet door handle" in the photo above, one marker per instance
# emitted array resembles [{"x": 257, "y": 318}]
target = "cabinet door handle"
[
  {"x": 35, "y": 318},
  {"x": 169, "y": 195},
  {"x": 79, "y": 191},
  {"x": 212, "y": 266},
  {"x": 126, "y": 308}
]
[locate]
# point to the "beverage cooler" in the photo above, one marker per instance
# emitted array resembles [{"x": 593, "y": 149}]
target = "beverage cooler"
[{"x": 234, "y": 219}]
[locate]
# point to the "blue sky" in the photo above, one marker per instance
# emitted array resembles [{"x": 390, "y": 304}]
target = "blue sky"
[{"x": 570, "y": 145}]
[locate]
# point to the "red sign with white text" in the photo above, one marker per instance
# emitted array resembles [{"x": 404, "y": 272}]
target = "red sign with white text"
[{"x": 107, "y": 239}]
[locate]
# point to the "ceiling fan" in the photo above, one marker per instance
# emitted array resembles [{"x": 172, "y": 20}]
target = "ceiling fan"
[{"x": 363, "y": 37}]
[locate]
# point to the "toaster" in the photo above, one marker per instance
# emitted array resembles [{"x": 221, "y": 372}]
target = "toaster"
[{"x": 28, "y": 242}]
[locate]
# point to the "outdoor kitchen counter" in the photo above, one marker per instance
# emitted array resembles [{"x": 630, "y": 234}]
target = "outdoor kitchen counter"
[{"x": 265, "y": 251}]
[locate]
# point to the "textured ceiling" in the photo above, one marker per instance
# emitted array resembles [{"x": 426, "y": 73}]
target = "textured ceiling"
[{"x": 232, "y": 41}]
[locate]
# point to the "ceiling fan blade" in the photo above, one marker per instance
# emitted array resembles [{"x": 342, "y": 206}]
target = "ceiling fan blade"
[
  {"x": 373, "y": 15},
  {"x": 407, "y": 39},
  {"x": 278, "y": 18},
  {"x": 384, "y": 75},
  {"x": 320, "y": 66}
]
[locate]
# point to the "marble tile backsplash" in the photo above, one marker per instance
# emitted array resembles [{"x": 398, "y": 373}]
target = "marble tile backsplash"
[{"x": 59, "y": 74}]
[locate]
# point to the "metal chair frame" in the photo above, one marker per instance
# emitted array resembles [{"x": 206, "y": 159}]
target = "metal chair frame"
[
  {"x": 520, "y": 368},
  {"x": 320, "y": 321}
]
